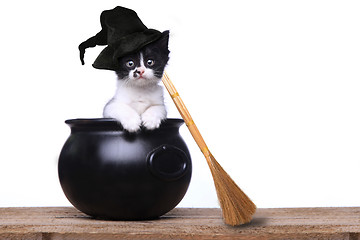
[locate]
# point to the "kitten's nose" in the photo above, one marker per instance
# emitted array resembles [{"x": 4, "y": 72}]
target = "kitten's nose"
[{"x": 140, "y": 71}]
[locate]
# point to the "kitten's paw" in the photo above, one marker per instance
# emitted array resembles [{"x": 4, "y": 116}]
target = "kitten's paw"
[
  {"x": 131, "y": 125},
  {"x": 151, "y": 122}
]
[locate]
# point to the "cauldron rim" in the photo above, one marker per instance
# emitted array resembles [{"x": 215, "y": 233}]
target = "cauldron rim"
[{"x": 112, "y": 123}]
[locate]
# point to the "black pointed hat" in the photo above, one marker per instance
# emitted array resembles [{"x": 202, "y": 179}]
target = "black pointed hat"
[{"x": 123, "y": 32}]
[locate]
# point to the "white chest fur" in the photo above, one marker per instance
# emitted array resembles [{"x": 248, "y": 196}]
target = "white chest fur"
[{"x": 139, "y": 99}]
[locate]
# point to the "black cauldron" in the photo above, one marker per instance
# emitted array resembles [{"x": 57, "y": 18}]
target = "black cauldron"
[{"x": 109, "y": 173}]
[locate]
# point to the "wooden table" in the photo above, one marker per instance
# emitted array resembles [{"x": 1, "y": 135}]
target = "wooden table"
[{"x": 182, "y": 223}]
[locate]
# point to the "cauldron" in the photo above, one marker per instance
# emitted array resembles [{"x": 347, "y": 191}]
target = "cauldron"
[{"x": 109, "y": 173}]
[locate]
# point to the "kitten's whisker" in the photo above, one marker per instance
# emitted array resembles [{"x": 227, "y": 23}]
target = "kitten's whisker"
[{"x": 127, "y": 81}]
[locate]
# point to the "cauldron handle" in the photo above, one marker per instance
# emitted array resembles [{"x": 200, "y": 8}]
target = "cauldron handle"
[{"x": 168, "y": 162}]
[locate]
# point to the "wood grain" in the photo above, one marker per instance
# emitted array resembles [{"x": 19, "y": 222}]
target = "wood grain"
[{"x": 182, "y": 223}]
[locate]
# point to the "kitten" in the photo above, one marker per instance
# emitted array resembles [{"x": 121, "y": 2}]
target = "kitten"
[{"x": 139, "y": 100}]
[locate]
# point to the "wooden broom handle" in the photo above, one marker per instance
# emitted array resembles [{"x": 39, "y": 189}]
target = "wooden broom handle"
[{"x": 185, "y": 114}]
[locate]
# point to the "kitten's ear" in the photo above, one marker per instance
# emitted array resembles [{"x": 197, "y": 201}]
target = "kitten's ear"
[
  {"x": 164, "y": 39},
  {"x": 165, "y": 35}
]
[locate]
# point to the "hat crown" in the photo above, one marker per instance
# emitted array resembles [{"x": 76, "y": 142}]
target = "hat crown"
[{"x": 120, "y": 22}]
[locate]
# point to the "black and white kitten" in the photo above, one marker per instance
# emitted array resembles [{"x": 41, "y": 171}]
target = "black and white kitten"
[{"x": 139, "y": 99}]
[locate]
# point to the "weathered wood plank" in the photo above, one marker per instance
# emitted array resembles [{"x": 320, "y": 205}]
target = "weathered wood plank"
[{"x": 182, "y": 223}]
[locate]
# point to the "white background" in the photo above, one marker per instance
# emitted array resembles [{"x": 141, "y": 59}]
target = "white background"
[{"x": 272, "y": 85}]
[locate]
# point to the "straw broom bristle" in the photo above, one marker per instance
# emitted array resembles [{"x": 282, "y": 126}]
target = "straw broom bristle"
[{"x": 237, "y": 208}]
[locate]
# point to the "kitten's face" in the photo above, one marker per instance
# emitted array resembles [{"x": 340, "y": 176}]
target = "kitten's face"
[{"x": 145, "y": 67}]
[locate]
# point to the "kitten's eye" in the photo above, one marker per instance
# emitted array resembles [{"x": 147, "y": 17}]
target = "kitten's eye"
[
  {"x": 130, "y": 64},
  {"x": 150, "y": 62}
]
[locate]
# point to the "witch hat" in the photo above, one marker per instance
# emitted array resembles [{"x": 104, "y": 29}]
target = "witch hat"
[{"x": 123, "y": 32}]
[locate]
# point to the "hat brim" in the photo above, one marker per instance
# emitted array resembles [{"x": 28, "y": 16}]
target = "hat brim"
[{"x": 108, "y": 58}]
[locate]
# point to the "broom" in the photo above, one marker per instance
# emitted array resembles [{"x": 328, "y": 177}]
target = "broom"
[{"x": 237, "y": 208}]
